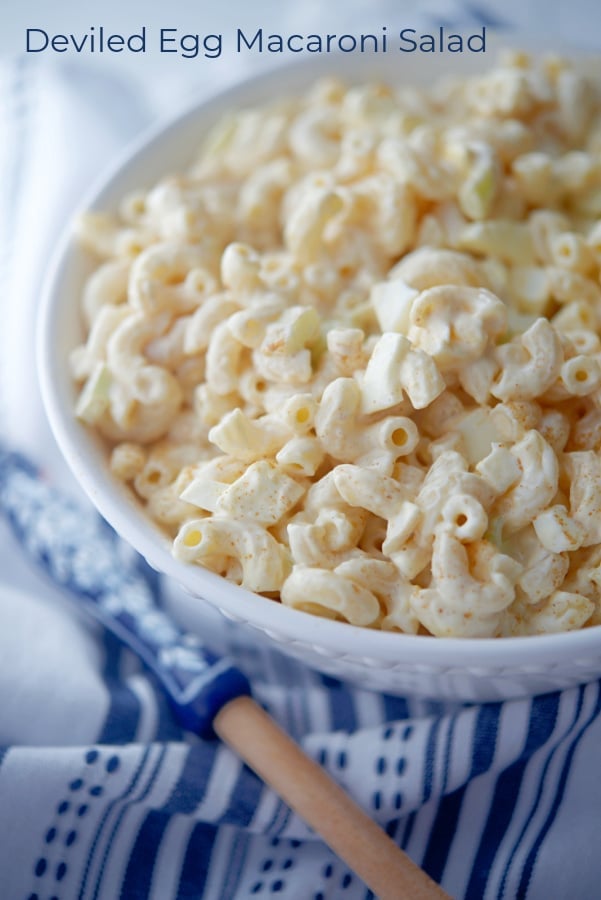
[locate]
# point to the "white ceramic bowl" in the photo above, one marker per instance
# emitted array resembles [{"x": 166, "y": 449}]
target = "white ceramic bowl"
[{"x": 463, "y": 669}]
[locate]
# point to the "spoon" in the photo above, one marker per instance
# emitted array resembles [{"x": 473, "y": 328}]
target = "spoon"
[{"x": 208, "y": 694}]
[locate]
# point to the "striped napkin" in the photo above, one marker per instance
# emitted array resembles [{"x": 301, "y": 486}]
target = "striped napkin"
[{"x": 101, "y": 794}]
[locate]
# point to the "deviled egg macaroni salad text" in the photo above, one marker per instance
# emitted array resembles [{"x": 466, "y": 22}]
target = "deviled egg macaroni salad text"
[{"x": 351, "y": 360}]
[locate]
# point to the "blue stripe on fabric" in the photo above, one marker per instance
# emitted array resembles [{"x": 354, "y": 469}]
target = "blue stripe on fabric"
[
  {"x": 442, "y": 834},
  {"x": 395, "y": 708},
  {"x": 543, "y": 717},
  {"x": 485, "y": 738},
  {"x": 167, "y": 729},
  {"x": 429, "y": 761},
  {"x": 140, "y": 867},
  {"x": 302, "y": 697},
  {"x": 113, "y": 652},
  {"x": 191, "y": 785},
  {"x": 197, "y": 861},
  {"x": 342, "y": 708},
  {"x": 239, "y": 849},
  {"x": 285, "y": 671},
  {"x": 244, "y": 800},
  {"x": 128, "y": 790},
  {"x": 286, "y": 677},
  {"x": 123, "y": 716},
  {"x": 279, "y": 814},
  {"x": 149, "y": 785},
  {"x": 186, "y": 794},
  {"x": 284, "y": 816},
  {"x": 445, "y": 824},
  {"x": 540, "y": 789},
  {"x": 436, "y": 708},
  {"x": 447, "y": 754},
  {"x": 561, "y": 786},
  {"x": 408, "y": 830}
]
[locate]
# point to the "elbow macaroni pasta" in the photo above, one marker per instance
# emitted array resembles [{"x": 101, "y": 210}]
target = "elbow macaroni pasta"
[{"x": 351, "y": 360}]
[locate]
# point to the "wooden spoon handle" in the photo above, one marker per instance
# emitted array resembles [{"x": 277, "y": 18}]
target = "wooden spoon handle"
[{"x": 322, "y": 803}]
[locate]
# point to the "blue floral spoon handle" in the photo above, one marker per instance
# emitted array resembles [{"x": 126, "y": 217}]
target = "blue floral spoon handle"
[
  {"x": 209, "y": 695},
  {"x": 84, "y": 556}
]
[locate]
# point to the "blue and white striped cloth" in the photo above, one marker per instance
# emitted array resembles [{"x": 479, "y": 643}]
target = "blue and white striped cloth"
[{"x": 101, "y": 794}]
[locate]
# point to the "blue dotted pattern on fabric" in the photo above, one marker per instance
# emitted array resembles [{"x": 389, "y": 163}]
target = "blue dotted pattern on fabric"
[{"x": 58, "y": 836}]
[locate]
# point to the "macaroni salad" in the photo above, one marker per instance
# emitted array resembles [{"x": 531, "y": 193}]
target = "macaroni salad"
[{"x": 351, "y": 360}]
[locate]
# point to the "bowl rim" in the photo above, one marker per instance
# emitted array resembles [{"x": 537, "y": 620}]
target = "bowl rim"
[{"x": 80, "y": 449}]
